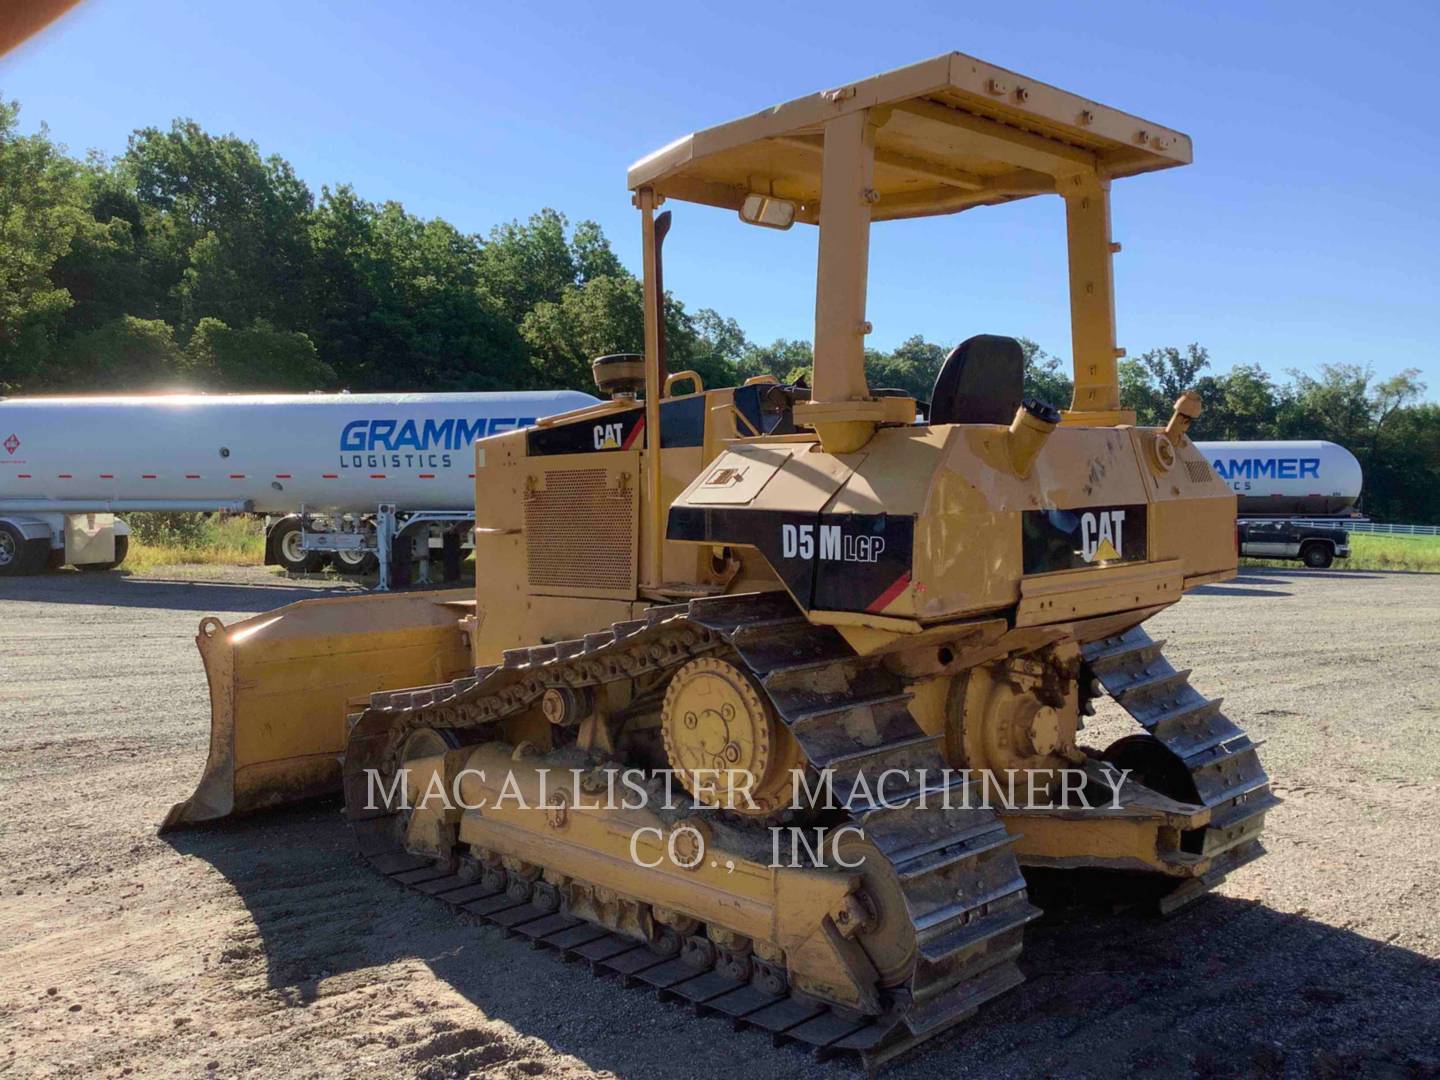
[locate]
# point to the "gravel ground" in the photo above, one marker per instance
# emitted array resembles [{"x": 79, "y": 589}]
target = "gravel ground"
[{"x": 266, "y": 947}]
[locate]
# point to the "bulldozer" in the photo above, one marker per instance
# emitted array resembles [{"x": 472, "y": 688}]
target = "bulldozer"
[{"x": 741, "y": 663}]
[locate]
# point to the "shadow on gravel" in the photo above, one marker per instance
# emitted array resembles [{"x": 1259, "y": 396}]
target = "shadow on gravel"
[
  {"x": 1277, "y": 573},
  {"x": 1225, "y": 987},
  {"x": 118, "y": 590},
  {"x": 1229, "y": 590}
]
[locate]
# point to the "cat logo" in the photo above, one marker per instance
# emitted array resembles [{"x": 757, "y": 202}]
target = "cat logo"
[
  {"x": 1102, "y": 536},
  {"x": 609, "y": 436},
  {"x": 1064, "y": 538}
]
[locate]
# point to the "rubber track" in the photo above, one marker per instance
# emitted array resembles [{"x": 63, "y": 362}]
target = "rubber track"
[{"x": 962, "y": 885}]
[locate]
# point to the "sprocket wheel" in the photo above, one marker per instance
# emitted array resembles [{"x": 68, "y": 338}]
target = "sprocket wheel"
[{"x": 723, "y": 737}]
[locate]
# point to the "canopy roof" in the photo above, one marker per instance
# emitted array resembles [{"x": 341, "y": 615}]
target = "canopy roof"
[{"x": 956, "y": 132}]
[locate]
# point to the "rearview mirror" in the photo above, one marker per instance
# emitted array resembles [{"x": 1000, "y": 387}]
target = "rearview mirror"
[{"x": 767, "y": 212}]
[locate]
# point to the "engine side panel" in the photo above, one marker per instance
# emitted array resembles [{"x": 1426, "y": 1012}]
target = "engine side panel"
[{"x": 934, "y": 523}]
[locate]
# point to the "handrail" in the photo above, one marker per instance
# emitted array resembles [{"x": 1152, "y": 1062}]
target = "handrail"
[{"x": 678, "y": 376}]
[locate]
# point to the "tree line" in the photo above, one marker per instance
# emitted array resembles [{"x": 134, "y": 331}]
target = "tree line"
[{"x": 192, "y": 260}]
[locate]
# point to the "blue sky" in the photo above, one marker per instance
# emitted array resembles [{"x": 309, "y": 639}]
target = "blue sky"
[{"x": 1306, "y": 232}]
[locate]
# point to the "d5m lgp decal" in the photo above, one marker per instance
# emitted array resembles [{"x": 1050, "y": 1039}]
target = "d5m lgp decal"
[{"x": 829, "y": 562}]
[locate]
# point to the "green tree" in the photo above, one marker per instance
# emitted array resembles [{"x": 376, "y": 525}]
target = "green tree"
[
  {"x": 911, "y": 367},
  {"x": 604, "y": 315},
  {"x": 398, "y": 303},
  {"x": 259, "y": 358},
  {"x": 344, "y": 287},
  {"x": 1150, "y": 383},
  {"x": 1387, "y": 398},
  {"x": 787, "y": 360},
  {"x": 228, "y": 228},
  {"x": 523, "y": 266},
  {"x": 1243, "y": 403},
  {"x": 1045, "y": 377},
  {"x": 1138, "y": 393},
  {"x": 1333, "y": 405},
  {"x": 1402, "y": 482},
  {"x": 706, "y": 342},
  {"x": 1172, "y": 371},
  {"x": 41, "y": 211},
  {"x": 1344, "y": 403},
  {"x": 124, "y": 354},
  {"x": 108, "y": 269},
  {"x": 591, "y": 253}
]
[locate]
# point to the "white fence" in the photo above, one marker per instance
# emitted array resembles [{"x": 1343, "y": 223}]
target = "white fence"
[{"x": 1384, "y": 528}]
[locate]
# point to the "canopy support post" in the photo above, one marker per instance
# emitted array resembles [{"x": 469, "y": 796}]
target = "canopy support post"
[
  {"x": 1092, "y": 301},
  {"x": 842, "y": 410},
  {"x": 653, "y": 570}
]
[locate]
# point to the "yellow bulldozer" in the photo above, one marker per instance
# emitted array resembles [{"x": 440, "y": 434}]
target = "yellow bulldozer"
[{"x": 742, "y": 664}]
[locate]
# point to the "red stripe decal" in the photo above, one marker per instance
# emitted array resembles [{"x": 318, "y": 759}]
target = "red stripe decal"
[
  {"x": 282, "y": 476},
  {"x": 329, "y": 476},
  {"x": 107, "y": 476},
  {"x": 377, "y": 476},
  {"x": 147, "y": 476},
  {"x": 237, "y": 476},
  {"x": 634, "y": 434},
  {"x": 886, "y": 598},
  {"x": 427, "y": 476},
  {"x": 22, "y": 476},
  {"x": 192, "y": 476},
  {"x": 66, "y": 476}
]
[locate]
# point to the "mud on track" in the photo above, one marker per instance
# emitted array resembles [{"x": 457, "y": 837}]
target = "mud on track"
[{"x": 266, "y": 947}]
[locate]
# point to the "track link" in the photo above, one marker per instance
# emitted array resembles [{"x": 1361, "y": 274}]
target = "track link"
[
  {"x": 1219, "y": 758},
  {"x": 963, "y": 890}
]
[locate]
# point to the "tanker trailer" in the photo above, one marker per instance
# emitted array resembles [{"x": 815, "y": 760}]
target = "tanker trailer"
[
  {"x": 1286, "y": 478},
  {"x": 334, "y": 474}
]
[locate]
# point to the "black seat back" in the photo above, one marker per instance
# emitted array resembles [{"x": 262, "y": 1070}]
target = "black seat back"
[{"x": 981, "y": 382}]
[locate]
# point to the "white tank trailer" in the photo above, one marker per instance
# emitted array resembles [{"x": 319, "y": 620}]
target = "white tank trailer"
[
  {"x": 337, "y": 475},
  {"x": 1287, "y": 479}
]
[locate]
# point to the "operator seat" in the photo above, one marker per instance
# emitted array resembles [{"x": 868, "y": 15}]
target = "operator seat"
[{"x": 981, "y": 382}]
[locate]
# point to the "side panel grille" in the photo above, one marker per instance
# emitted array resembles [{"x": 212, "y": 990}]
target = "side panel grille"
[
  {"x": 580, "y": 532},
  {"x": 1200, "y": 472}
]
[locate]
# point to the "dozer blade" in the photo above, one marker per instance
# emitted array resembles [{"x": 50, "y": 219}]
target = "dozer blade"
[{"x": 282, "y": 684}]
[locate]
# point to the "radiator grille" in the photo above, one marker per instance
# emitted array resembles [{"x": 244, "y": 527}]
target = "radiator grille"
[{"x": 580, "y": 533}]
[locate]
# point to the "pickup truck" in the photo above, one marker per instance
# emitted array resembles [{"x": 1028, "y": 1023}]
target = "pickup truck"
[{"x": 1316, "y": 546}]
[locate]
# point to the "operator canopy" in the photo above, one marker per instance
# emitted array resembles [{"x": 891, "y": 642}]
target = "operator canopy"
[{"x": 951, "y": 133}]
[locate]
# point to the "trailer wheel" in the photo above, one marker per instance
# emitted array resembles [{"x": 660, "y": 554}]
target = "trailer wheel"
[
  {"x": 122, "y": 548},
  {"x": 1317, "y": 555},
  {"x": 18, "y": 555},
  {"x": 356, "y": 562},
  {"x": 285, "y": 543}
]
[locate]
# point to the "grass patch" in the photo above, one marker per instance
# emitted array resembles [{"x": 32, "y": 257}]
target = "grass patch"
[
  {"x": 159, "y": 541},
  {"x": 1369, "y": 551},
  {"x": 195, "y": 540},
  {"x": 1374, "y": 551}
]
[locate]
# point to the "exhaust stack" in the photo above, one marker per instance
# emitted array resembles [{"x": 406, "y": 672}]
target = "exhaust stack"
[{"x": 1029, "y": 431}]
